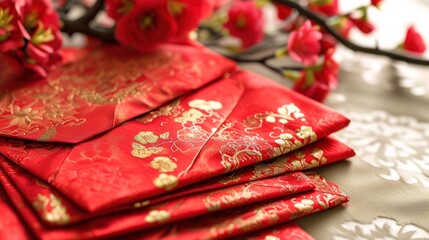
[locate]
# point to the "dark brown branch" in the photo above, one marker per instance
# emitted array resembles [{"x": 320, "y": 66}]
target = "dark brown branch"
[
  {"x": 83, "y": 24},
  {"x": 376, "y": 51}
]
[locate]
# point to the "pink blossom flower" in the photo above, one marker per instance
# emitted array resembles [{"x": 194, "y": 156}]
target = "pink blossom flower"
[
  {"x": 188, "y": 14},
  {"x": 245, "y": 21},
  {"x": 283, "y": 12},
  {"x": 363, "y": 24},
  {"x": 146, "y": 25},
  {"x": 304, "y": 44},
  {"x": 118, "y": 8},
  {"x": 12, "y": 31},
  {"x": 325, "y": 7},
  {"x": 317, "y": 84},
  {"x": 376, "y": 3},
  {"x": 413, "y": 41},
  {"x": 35, "y": 23}
]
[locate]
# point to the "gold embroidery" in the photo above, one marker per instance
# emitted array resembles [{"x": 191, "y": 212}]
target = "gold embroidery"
[
  {"x": 233, "y": 177},
  {"x": 48, "y": 135},
  {"x": 192, "y": 115},
  {"x": 166, "y": 181},
  {"x": 286, "y": 144},
  {"x": 270, "y": 237},
  {"x": 146, "y": 137},
  {"x": 164, "y": 135},
  {"x": 216, "y": 199},
  {"x": 171, "y": 109},
  {"x": 305, "y": 206},
  {"x": 23, "y": 117},
  {"x": 285, "y": 113},
  {"x": 306, "y": 133},
  {"x": 205, "y": 105},
  {"x": 193, "y": 134},
  {"x": 101, "y": 78},
  {"x": 242, "y": 149},
  {"x": 141, "y": 151},
  {"x": 52, "y": 209},
  {"x": 157, "y": 216},
  {"x": 163, "y": 164},
  {"x": 141, "y": 204}
]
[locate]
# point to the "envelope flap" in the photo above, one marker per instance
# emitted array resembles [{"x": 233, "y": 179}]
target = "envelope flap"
[{"x": 108, "y": 86}]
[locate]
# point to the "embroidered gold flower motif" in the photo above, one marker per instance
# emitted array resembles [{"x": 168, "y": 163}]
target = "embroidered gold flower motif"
[
  {"x": 192, "y": 115},
  {"x": 193, "y": 134},
  {"x": 271, "y": 237},
  {"x": 141, "y": 151},
  {"x": 157, "y": 216},
  {"x": 142, "y": 204},
  {"x": 166, "y": 181},
  {"x": 305, "y": 206},
  {"x": 286, "y": 144},
  {"x": 306, "y": 132},
  {"x": 290, "y": 110},
  {"x": 205, "y": 105},
  {"x": 163, "y": 164},
  {"x": 23, "y": 117},
  {"x": 146, "y": 137},
  {"x": 52, "y": 209}
]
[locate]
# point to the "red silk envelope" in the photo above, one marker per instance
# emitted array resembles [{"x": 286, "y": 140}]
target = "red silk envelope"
[
  {"x": 239, "y": 221},
  {"x": 285, "y": 231},
  {"x": 11, "y": 226},
  {"x": 268, "y": 121},
  {"x": 322, "y": 152},
  {"x": 110, "y": 85},
  {"x": 160, "y": 214}
]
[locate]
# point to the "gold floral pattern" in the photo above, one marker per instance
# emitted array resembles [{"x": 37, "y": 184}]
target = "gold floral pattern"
[
  {"x": 146, "y": 137},
  {"x": 157, "y": 216},
  {"x": 51, "y": 209},
  {"x": 163, "y": 164},
  {"x": 172, "y": 109},
  {"x": 215, "y": 200},
  {"x": 192, "y": 115},
  {"x": 285, "y": 113},
  {"x": 242, "y": 149},
  {"x": 307, "y": 134},
  {"x": 193, "y": 134},
  {"x": 142, "y": 204},
  {"x": 166, "y": 181},
  {"x": 205, "y": 105},
  {"x": 109, "y": 75},
  {"x": 141, "y": 151}
]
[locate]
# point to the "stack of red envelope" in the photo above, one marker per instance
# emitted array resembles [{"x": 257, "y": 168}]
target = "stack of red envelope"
[{"x": 174, "y": 144}]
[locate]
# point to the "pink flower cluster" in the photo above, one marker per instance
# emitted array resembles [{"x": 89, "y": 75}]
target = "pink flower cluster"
[
  {"x": 143, "y": 24},
  {"x": 29, "y": 34}
]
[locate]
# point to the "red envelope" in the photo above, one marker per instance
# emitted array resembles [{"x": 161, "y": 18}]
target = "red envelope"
[
  {"x": 179, "y": 145},
  {"x": 322, "y": 152},
  {"x": 285, "y": 231},
  {"x": 239, "y": 221},
  {"x": 11, "y": 226},
  {"x": 110, "y": 85},
  {"x": 160, "y": 214},
  {"x": 325, "y": 151}
]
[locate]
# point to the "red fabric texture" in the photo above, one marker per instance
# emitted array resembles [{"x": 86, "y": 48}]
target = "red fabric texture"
[
  {"x": 268, "y": 121},
  {"x": 53, "y": 208},
  {"x": 239, "y": 221},
  {"x": 320, "y": 153},
  {"x": 11, "y": 226},
  {"x": 107, "y": 87},
  {"x": 285, "y": 231}
]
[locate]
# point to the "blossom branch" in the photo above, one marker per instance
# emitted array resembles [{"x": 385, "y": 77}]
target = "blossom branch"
[
  {"x": 375, "y": 51},
  {"x": 83, "y": 24}
]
